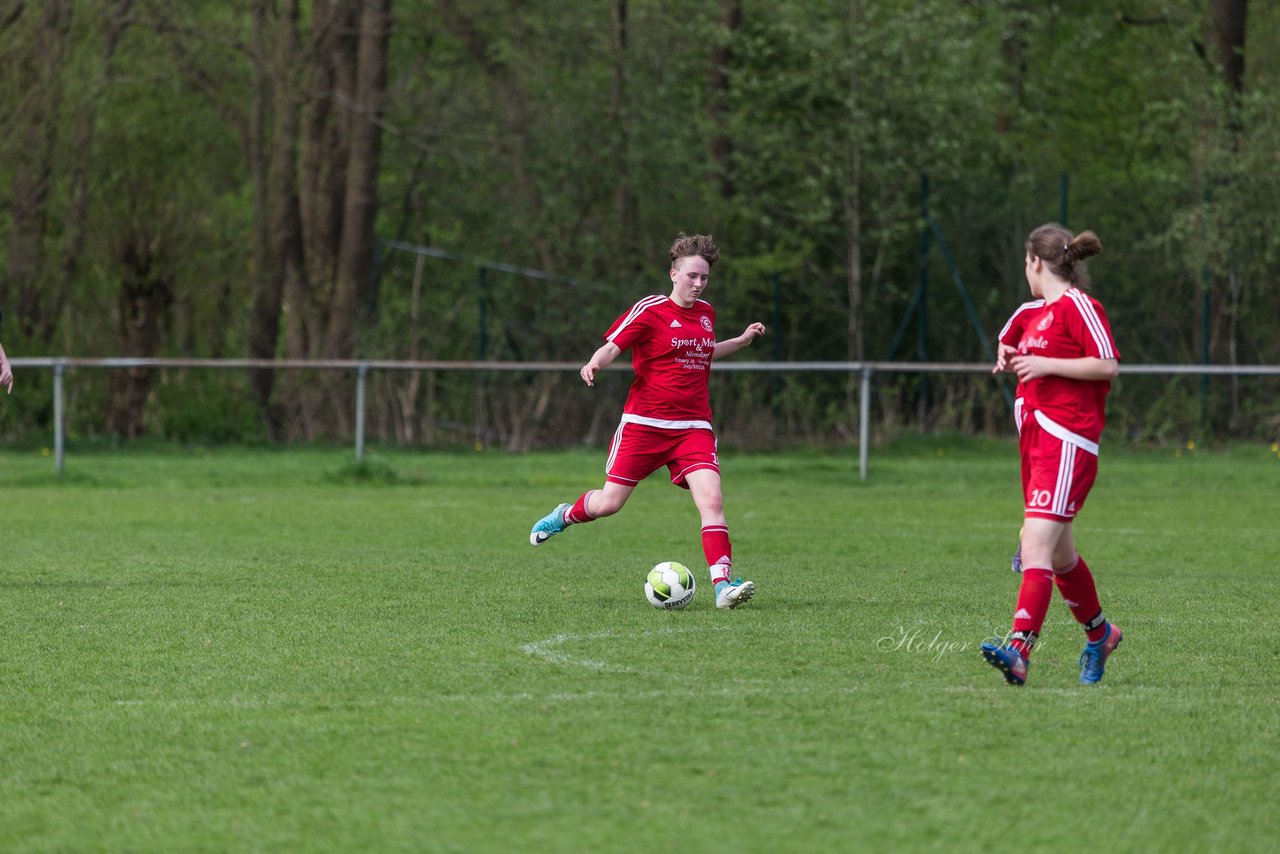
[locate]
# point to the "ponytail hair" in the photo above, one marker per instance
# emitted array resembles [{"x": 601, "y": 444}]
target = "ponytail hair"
[{"x": 1064, "y": 252}]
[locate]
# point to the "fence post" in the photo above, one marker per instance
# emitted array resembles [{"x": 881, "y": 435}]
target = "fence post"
[
  {"x": 362, "y": 372},
  {"x": 864, "y": 421},
  {"x": 58, "y": 434}
]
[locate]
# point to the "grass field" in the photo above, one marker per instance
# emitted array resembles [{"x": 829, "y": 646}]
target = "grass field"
[{"x": 240, "y": 650}]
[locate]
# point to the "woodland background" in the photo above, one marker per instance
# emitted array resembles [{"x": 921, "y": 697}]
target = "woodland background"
[{"x": 231, "y": 178}]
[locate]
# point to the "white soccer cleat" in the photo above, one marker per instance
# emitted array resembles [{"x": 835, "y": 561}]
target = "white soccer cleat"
[{"x": 735, "y": 593}]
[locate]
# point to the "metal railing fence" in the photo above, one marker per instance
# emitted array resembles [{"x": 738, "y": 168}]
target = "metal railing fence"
[{"x": 362, "y": 368}]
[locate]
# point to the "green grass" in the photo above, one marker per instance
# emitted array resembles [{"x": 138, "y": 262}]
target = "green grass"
[{"x": 231, "y": 649}]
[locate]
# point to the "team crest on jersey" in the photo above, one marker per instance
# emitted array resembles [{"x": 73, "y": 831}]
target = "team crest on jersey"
[
  {"x": 1046, "y": 321},
  {"x": 706, "y": 323}
]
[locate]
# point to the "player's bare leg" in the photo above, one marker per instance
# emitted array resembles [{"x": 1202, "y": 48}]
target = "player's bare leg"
[
  {"x": 591, "y": 505},
  {"x": 599, "y": 503}
]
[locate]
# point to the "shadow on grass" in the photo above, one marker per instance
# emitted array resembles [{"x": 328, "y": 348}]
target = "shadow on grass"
[
  {"x": 67, "y": 479},
  {"x": 372, "y": 473}
]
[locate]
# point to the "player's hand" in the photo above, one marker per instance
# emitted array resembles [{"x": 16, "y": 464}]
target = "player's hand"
[
  {"x": 6, "y": 376},
  {"x": 1003, "y": 354},
  {"x": 588, "y": 373},
  {"x": 1029, "y": 367},
  {"x": 749, "y": 334}
]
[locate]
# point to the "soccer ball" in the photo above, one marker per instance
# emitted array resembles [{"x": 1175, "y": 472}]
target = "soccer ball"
[{"x": 669, "y": 586}]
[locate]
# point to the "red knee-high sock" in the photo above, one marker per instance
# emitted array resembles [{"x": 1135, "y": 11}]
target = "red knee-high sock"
[
  {"x": 1033, "y": 606},
  {"x": 718, "y": 552},
  {"x": 1075, "y": 583},
  {"x": 577, "y": 514}
]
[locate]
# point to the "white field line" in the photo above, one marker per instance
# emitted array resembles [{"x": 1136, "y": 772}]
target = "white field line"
[{"x": 549, "y": 648}]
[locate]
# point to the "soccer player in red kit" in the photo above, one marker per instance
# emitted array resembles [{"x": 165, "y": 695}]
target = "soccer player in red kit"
[
  {"x": 667, "y": 416},
  {"x": 1007, "y": 345},
  {"x": 1065, "y": 362}
]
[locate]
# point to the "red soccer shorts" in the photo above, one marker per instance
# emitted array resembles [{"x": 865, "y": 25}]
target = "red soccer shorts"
[
  {"x": 1058, "y": 468},
  {"x": 638, "y": 450}
]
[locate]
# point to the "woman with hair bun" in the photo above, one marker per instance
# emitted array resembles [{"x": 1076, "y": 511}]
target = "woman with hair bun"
[{"x": 1065, "y": 361}]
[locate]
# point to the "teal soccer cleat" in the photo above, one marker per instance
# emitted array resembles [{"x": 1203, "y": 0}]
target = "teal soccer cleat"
[
  {"x": 548, "y": 526},
  {"x": 735, "y": 593}
]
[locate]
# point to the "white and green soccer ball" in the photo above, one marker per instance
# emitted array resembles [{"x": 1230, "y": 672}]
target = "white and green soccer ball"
[{"x": 669, "y": 586}]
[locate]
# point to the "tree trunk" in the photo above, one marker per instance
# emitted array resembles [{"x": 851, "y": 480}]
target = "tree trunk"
[
  {"x": 37, "y": 73},
  {"x": 330, "y": 80},
  {"x": 1228, "y": 33},
  {"x": 280, "y": 227},
  {"x": 355, "y": 257},
  {"x": 77, "y": 215},
  {"x": 265, "y": 316},
  {"x": 718, "y": 96},
  {"x": 624, "y": 201},
  {"x": 1227, "y": 40},
  {"x": 1013, "y": 52},
  {"x": 146, "y": 295},
  {"x": 856, "y": 350}
]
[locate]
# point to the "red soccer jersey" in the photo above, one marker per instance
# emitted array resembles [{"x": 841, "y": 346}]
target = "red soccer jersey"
[
  {"x": 1073, "y": 327},
  {"x": 671, "y": 349},
  {"x": 1011, "y": 332}
]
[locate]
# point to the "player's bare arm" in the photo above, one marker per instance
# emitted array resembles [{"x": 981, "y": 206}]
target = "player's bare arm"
[
  {"x": 600, "y": 360},
  {"x": 733, "y": 345},
  {"x": 1085, "y": 368},
  {"x": 6, "y": 372}
]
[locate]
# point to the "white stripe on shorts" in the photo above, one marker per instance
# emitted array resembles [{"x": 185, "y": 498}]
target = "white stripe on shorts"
[
  {"x": 663, "y": 424},
  {"x": 1066, "y": 471},
  {"x": 1053, "y": 428},
  {"x": 613, "y": 449}
]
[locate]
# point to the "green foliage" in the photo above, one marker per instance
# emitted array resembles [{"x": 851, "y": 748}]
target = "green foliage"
[
  {"x": 210, "y": 649},
  {"x": 370, "y": 471},
  {"x": 206, "y": 407},
  {"x": 545, "y": 135}
]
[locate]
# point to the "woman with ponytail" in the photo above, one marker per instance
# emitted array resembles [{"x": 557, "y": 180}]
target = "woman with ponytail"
[{"x": 1065, "y": 361}]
